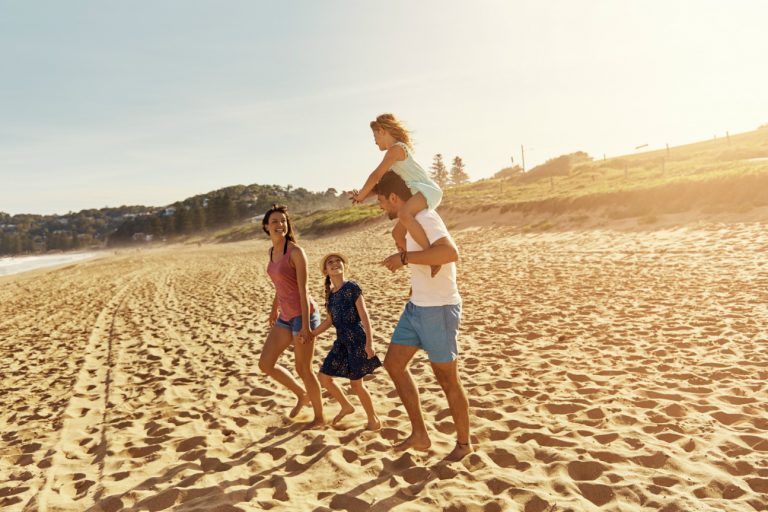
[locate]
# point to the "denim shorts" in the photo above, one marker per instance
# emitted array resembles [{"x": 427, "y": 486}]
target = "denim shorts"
[
  {"x": 432, "y": 328},
  {"x": 294, "y": 324}
]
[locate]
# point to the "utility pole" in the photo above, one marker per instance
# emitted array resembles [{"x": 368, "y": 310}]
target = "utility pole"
[{"x": 522, "y": 156}]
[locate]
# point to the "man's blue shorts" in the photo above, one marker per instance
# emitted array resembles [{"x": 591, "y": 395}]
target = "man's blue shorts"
[{"x": 432, "y": 328}]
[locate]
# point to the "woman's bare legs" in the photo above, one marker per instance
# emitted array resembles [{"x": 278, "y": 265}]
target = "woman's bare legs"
[
  {"x": 304, "y": 354},
  {"x": 277, "y": 341}
]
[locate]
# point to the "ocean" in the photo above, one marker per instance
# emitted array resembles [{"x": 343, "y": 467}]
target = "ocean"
[{"x": 16, "y": 265}]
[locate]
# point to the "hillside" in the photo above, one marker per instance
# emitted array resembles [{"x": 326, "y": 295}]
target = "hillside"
[
  {"x": 204, "y": 214},
  {"x": 728, "y": 174},
  {"x": 30, "y": 233}
]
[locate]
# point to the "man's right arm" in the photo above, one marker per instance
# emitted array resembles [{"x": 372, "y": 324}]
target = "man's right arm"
[{"x": 441, "y": 252}]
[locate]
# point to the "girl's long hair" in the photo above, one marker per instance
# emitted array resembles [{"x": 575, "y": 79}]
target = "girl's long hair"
[
  {"x": 281, "y": 208},
  {"x": 389, "y": 123},
  {"x": 327, "y": 292}
]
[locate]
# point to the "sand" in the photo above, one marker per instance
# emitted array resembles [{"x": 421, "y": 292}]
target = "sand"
[{"x": 606, "y": 369}]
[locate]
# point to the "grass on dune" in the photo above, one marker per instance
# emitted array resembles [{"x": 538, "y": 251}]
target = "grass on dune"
[
  {"x": 722, "y": 171},
  {"x": 326, "y": 220},
  {"x": 315, "y": 223}
]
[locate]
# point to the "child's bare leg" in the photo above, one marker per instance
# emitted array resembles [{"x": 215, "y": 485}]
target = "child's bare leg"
[
  {"x": 365, "y": 399},
  {"x": 346, "y": 408},
  {"x": 398, "y": 233},
  {"x": 407, "y": 217}
]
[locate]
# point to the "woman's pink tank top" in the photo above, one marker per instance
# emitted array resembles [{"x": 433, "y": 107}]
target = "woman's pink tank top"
[{"x": 284, "y": 276}]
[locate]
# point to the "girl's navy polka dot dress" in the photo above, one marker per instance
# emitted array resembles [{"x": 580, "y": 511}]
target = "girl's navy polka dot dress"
[{"x": 347, "y": 357}]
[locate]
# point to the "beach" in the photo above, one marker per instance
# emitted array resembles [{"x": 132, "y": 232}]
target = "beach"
[{"x": 607, "y": 368}]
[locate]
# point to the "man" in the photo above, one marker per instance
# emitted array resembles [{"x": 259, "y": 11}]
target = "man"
[{"x": 430, "y": 320}]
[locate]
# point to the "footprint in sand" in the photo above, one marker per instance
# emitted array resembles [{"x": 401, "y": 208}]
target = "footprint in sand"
[
  {"x": 598, "y": 494},
  {"x": 585, "y": 470}
]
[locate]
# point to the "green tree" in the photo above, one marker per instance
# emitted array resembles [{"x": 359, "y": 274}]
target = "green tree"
[
  {"x": 155, "y": 226},
  {"x": 229, "y": 210},
  {"x": 439, "y": 172},
  {"x": 12, "y": 244},
  {"x": 197, "y": 218},
  {"x": 183, "y": 220},
  {"x": 221, "y": 210},
  {"x": 459, "y": 175},
  {"x": 169, "y": 225}
]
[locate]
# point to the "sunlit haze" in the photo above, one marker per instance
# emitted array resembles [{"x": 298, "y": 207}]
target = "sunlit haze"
[{"x": 113, "y": 103}]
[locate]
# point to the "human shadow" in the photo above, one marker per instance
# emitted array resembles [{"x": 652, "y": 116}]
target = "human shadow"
[
  {"x": 417, "y": 476},
  {"x": 181, "y": 492}
]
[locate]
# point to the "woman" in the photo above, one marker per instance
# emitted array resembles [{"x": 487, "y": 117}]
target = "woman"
[{"x": 297, "y": 314}]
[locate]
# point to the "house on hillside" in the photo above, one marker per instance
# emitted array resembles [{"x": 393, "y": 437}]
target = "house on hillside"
[{"x": 142, "y": 237}]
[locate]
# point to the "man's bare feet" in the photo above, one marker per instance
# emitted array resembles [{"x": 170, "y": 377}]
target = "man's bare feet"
[
  {"x": 343, "y": 412},
  {"x": 435, "y": 269},
  {"x": 460, "y": 451},
  {"x": 373, "y": 424},
  {"x": 421, "y": 444},
  {"x": 301, "y": 401}
]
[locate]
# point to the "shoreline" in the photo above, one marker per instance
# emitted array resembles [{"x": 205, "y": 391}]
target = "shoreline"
[{"x": 14, "y": 265}]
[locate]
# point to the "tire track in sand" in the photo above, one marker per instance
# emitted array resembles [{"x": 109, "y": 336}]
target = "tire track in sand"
[{"x": 78, "y": 456}]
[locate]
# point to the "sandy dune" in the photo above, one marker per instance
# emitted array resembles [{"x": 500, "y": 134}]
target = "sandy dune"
[{"x": 607, "y": 370}]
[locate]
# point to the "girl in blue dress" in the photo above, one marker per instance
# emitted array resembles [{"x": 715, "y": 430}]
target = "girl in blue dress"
[
  {"x": 352, "y": 356},
  {"x": 391, "y": 136}
]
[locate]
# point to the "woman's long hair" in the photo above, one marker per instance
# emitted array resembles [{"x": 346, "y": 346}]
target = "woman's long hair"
[{"x": 281, "y": 208}]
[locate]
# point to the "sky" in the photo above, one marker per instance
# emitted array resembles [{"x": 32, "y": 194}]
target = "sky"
[{"x": 106, "y": 103}]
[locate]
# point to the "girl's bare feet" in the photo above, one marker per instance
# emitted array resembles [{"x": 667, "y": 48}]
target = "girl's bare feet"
[
  {"x": 421, "y": 444},
  {"x": 373, "y": 424},
  {"x": 343, "y": 412},
  {"x": 301, "y": 401}
]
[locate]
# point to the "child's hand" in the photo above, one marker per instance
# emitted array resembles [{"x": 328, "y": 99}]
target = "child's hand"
[
  {"x": 354, "y": 196},
  {"x": 369, "y": 350},
  {"x": 305, "y": 335}
]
